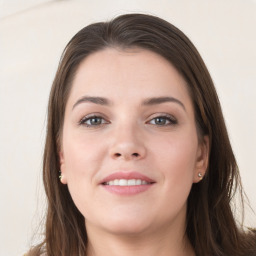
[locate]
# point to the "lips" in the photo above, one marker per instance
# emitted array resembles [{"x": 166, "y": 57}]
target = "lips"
[
  {"x": 124, "y": 182},
  {"x": 126, "y": 176},
  {"x": 127, "y": 183}
]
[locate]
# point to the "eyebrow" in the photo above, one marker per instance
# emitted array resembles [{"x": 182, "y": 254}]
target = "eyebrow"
[
  {"x": 95, "y": 100},
  {"x": 160, "y": 100},
  {"x": 146, "y": 102}
]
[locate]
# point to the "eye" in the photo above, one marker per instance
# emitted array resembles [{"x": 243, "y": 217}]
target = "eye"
[
  {"x": 92, "y": 121},
  {"x": 163, "y": 120}
]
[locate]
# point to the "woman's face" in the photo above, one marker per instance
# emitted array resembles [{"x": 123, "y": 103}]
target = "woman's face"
[{"x": 130, "y": 151}]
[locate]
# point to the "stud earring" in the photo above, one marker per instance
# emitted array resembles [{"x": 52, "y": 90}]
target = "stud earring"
[
  {"x": 200, "y": 175},
  {"x": 60, "y": 175}
]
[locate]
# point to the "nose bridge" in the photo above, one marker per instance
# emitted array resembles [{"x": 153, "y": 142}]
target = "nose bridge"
[{"x": 127, "y": 142}]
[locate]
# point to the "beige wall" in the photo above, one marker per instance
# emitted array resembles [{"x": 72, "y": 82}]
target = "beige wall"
[
  {"x": 31, "y": 42},
  {"x": 14, "y": 7}
]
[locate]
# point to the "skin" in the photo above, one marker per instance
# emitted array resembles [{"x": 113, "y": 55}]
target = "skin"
[{"x": 128, "y": 137}]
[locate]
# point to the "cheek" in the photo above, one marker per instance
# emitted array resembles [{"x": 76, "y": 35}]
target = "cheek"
[
  {"x": 176, "y": 159},
  {"x": 177, "y": 153},
  {"x": 83, "y": 157}
]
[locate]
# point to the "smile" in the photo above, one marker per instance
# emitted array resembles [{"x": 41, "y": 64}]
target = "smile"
[{"x": 125, "y": 182}]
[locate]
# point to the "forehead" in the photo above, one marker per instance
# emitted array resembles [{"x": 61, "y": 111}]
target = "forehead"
[{"x": 129, "y": 75}]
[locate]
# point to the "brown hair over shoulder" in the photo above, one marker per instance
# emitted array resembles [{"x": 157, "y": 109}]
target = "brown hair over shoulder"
[{"x": 211, "y": 226}]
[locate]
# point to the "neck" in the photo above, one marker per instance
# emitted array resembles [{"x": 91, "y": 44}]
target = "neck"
[{"x": 164, "y": 243}]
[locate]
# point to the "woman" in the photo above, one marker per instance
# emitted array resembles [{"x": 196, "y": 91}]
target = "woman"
[{"x": 137, "y": 158}]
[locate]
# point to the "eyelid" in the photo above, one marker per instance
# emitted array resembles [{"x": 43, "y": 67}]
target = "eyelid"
[
  {"x": 171, "y": 118},
  {"x": 93, "y": 115}
]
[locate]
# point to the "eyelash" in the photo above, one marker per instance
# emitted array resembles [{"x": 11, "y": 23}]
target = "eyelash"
[
  {"x": 170, "y": 119},
  {"x": 166, "y": 117},
  {"x": 87, "y": 118}
]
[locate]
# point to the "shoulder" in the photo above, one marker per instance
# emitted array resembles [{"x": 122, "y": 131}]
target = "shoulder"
[
  {"x": 42, "y": 254},
  {"x": 37, "y": 250}
]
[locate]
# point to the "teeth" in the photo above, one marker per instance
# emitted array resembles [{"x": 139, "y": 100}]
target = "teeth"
[
  {"x": 124, "y": 182},
  {"x": 131, "y": 182},
  {"x": 138, "y": 182},
  {"x": 116, "y": 182}
]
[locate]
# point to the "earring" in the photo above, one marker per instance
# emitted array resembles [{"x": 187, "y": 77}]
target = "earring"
[
  {"x": 60, "y": 175},
  {"x": 200, "y": 175}
]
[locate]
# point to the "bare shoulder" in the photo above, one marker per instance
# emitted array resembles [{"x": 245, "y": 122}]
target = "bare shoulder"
[{"x": 42, "y": 254}]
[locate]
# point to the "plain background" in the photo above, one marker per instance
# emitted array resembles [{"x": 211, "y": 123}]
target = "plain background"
[{"x": 32, "y": 37}]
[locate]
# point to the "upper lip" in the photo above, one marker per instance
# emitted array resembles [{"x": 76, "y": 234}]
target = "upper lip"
[{"x": 126, "y": 175}]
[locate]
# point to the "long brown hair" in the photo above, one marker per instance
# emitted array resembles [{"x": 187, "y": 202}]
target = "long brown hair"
[{"x": 211, "y": 226}]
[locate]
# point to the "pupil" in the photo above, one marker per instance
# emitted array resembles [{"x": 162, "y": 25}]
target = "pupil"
[
  {"x": 96, "y": 120},
  {"x": 160, "y": 121}
]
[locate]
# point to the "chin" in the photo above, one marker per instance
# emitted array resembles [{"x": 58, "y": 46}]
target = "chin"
[
  {"x": 128, "y": 225},
  {"x": 127, "y": 230}
]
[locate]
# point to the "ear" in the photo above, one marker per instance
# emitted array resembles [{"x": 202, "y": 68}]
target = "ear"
[
  {"x": 202, "y": 159},
  {"x": 63, "y": 178}
]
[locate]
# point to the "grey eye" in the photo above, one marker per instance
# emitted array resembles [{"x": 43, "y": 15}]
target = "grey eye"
[
  {"x": 160, "y": 120},
  {"x": 163, "y": 121},
  {"x": 93, "y": 121}
]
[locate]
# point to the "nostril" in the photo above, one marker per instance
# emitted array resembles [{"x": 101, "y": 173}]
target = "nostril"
[{"x": 119, "y": 155}]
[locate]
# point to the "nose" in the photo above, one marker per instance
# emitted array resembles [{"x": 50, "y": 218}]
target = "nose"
[{"x": 127, "y": 145}]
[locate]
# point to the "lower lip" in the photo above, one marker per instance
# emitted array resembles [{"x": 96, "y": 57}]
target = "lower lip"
[{"x": 127, "y": 190}]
